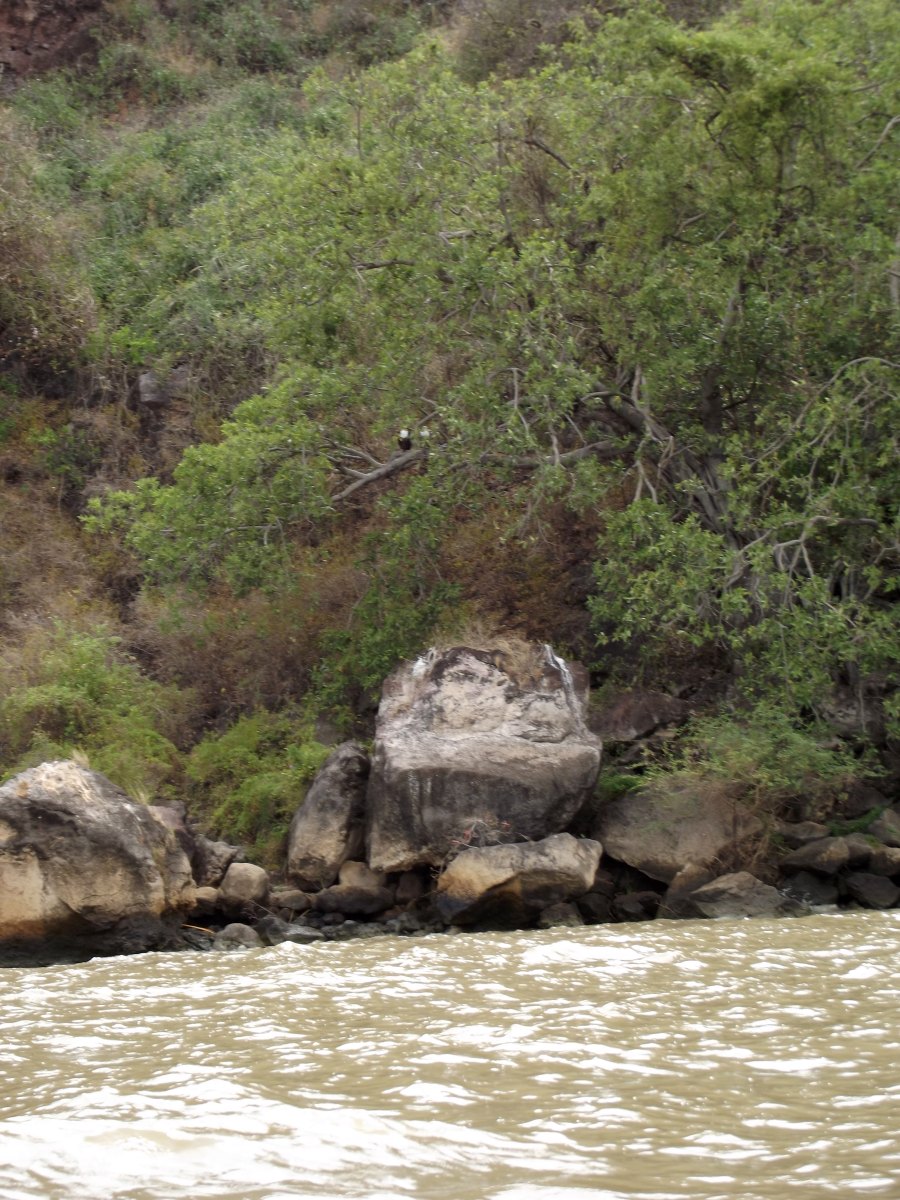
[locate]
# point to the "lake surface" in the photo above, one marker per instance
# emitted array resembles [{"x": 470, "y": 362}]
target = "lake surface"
[{"x": 742, "y": 1060}]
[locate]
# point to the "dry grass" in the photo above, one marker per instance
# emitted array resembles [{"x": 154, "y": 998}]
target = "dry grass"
[{"x": 523, "y": 661}]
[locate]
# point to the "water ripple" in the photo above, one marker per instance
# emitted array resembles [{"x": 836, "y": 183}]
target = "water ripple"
[{"x": 704, "y": 1060}]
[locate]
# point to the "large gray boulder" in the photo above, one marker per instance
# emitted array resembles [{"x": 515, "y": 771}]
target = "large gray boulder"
[
  {"x": 664, "y": 828},
  {"x": 328, "y": 828},
  {"x": 741, "y": 894},
  {"x": 475, "y": 746},
  {"x": 510, "y": 885},
  {"x": 84, "y": 870}
]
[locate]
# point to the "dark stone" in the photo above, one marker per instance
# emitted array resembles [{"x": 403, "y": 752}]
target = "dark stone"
[
  {"x": 859, "y": 851},
  {"x": 353, "y": 901},
  {"x": 355, "y": 930},
  {"x": 860, "y": 800},
  {"x": 814, "y": 889},
  {"x": 411, "y": 886},
  {"x": 302, "y": 935},
  {"x": 887, "y": 828},
  {"x": 272, "y": 930},
  {"x": 800, "y": 833},
  {"x": 826, "y": 856},
  {"x": 629, "y": 715},
  {"x": 871, "y": 891},
  {"x": 677, "y": 904},
  {"x": 559, "y": 914},
  {"x": 741, "y": 894},
  {"x": 885, "y": 860},
  {"x": 596, "y": 909},
  {"x": 604, "y": 884},
  {"x": 237, "y": 936},
  {"x": 291, "y": 901},
  {"x": 210, "y": 861},
  {"x": 636, "y": 906}
]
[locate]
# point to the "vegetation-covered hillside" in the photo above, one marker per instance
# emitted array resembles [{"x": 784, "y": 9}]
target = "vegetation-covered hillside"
[{"x": 630, "y": 278}]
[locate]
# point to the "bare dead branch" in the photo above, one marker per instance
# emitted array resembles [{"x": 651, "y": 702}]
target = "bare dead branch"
[
  {"x": 399, "y": 463},
  {"x": 894, "y": 121}
]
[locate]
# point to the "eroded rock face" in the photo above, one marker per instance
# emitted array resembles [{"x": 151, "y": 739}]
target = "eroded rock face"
[
  {"x": 663, "y": 829},
  {"x": 472, "y": 746},
  {"x": 328, "y": 828},
  {"x": 511, "y": 885},
  {"x": 85, "y": 870}
]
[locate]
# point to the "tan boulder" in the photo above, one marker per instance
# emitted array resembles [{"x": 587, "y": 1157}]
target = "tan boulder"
[
  {"x": 662, "y": 829},
  {"x": 86, "y": 868},
  {"x": 510, "y": 885}
]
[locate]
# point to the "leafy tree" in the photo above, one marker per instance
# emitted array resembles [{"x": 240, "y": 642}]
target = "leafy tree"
[{"x": 656, "y": 279}]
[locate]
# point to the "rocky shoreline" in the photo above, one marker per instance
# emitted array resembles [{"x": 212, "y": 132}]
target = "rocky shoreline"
[{"x": 477, "y": 809}]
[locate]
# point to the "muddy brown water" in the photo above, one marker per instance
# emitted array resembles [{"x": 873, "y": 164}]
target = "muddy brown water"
[{"x": 739, "y": 1060}]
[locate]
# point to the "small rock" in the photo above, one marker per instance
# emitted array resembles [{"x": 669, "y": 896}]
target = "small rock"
[
  {"x": 676, "y": 904},
  {"x": 244, "y": 887},
  {"x": 237, "y": 937},
  {"x": 559, "y": 914},
  {"x": 290, "y": 901},
  {"x": 355, "y": 930},
  {"x": 302, "y": 935},
  {"x": 272, "y": 930},
  {"x": 353, "y": 901},
  {"x": 210, "y": 861}
]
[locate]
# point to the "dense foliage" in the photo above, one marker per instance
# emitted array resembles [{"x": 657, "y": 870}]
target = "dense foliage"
[{"x": 637, "y": 302}]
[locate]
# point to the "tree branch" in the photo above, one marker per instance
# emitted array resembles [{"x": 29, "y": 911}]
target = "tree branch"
[{"x": 399, "y": 463}]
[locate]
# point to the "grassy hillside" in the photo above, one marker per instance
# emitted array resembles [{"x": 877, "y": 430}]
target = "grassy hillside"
[{"x": 629, "y": 278}]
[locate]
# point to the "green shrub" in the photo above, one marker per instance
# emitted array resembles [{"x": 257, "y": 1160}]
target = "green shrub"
[
  {"x": 773, "y": 763},
  {"x": 249, "y": 781},
  {"x": 76, "y": 693}
]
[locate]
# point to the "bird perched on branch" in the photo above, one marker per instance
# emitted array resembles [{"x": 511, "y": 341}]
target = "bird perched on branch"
[{"x": 404, "y": 441}]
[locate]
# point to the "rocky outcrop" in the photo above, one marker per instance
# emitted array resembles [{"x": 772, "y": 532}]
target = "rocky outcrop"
[
  {"x": 85, "y": 871},
  {"x": 660, "y": 830},
  {"x": 511, "y": 885},
  {"x": 476, "y": 745},
  {"x": 328, "y": 828}
]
